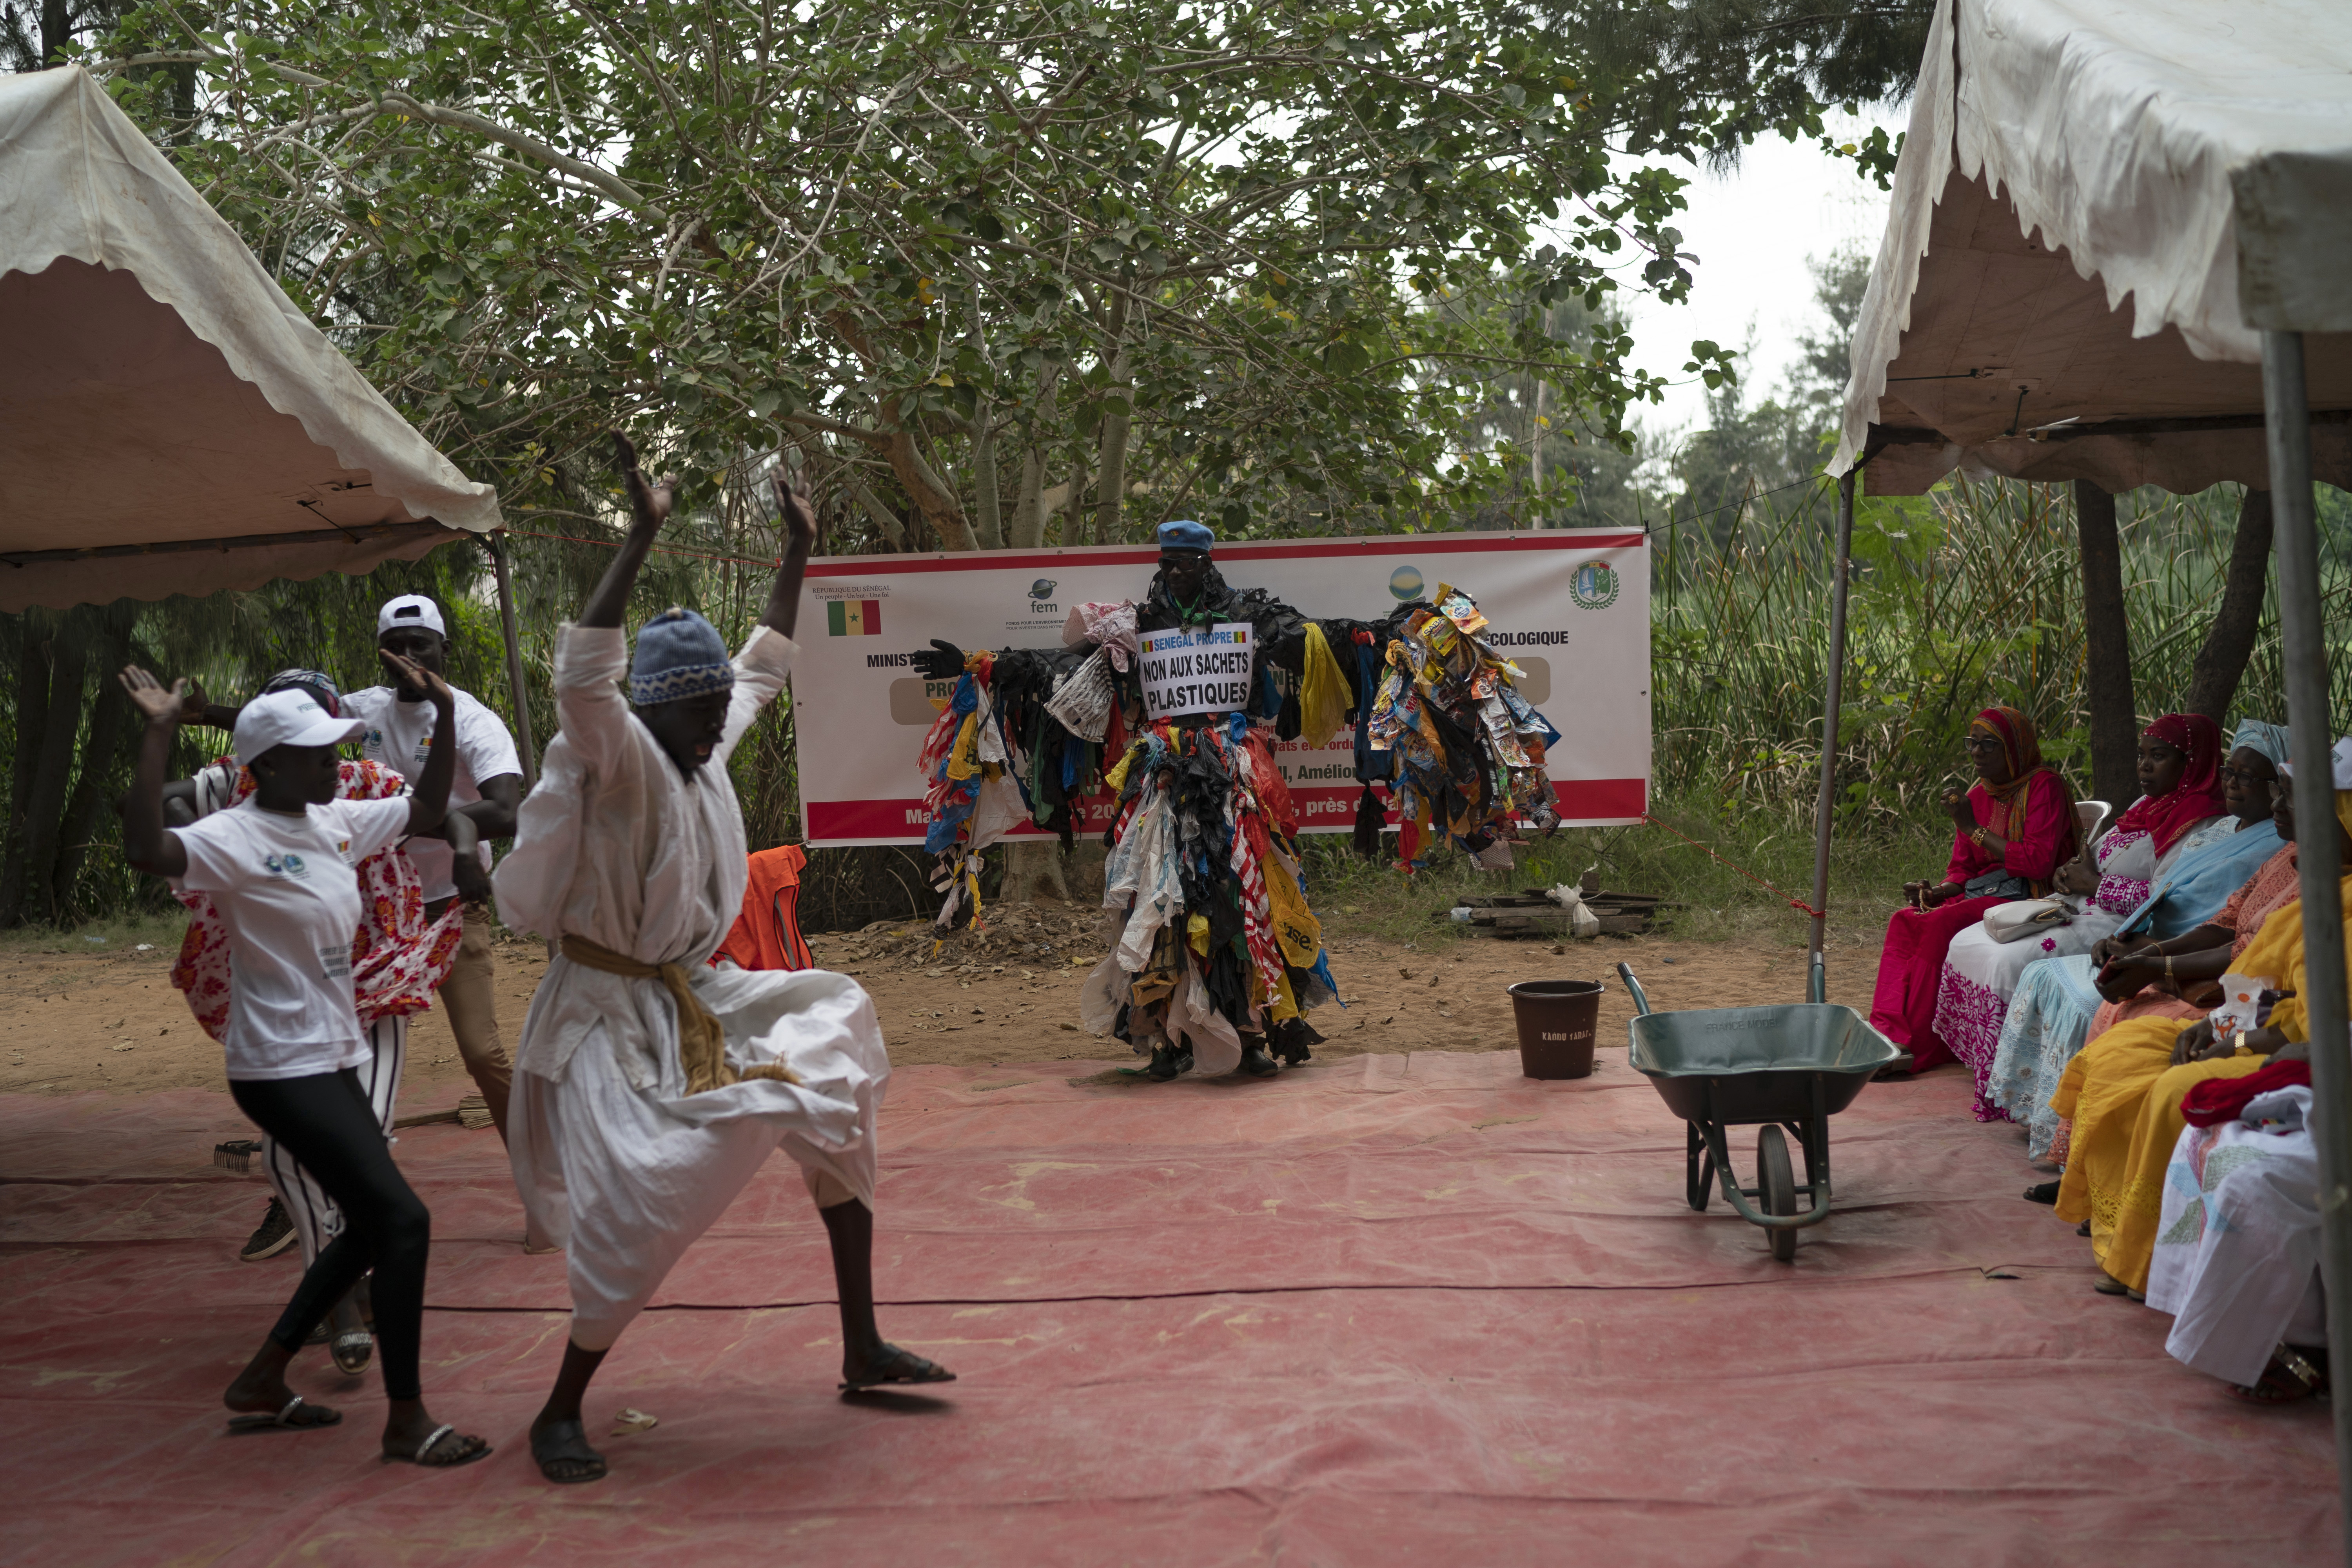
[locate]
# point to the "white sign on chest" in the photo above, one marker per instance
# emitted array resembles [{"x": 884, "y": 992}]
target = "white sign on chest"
[{"x": 1205, "y": 670}]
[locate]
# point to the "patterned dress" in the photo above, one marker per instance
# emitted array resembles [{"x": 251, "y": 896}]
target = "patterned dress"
[{"x": 398, "y": 958}]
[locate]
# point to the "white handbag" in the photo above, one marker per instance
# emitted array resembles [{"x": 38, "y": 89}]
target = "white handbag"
[{"x": 2022, "y": 918}]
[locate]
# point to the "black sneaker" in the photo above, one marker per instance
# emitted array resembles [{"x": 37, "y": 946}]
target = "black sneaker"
[{"x": 275, "y": 1234}]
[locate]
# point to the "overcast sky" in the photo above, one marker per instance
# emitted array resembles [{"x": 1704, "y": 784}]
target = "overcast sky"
[{"x": 1752, "y": 231}]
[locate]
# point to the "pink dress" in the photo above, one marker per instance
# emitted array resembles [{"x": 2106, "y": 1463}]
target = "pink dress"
[{"x": 1904, "y": 1006}]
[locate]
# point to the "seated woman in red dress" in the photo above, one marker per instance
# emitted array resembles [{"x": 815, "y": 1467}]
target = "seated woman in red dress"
[{"x": 2012, "y": 830}]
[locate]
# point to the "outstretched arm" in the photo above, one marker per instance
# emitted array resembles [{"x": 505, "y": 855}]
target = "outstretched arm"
[
  {"x": 799, "y": 517},
  {"x": 428, "y": 800},
  {"x": 649, "y": 505},
  {"x": 145, "y": 843}
]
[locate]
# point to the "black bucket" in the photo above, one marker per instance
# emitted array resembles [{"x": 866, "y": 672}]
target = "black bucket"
[{"x": 1557, "y": 1019}]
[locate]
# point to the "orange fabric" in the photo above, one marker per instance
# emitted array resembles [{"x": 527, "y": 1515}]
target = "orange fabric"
[{"x": 767, "y": 934}]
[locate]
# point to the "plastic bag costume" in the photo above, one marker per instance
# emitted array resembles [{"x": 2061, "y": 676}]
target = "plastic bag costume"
[{"x": 1213, "y": 944}]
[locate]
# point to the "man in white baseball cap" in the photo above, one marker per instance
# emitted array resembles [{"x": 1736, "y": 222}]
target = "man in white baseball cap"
[{"x": 397, "y": 731}]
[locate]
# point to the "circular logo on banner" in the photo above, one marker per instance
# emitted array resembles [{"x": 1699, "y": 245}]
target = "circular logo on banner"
[
  {"x": 1594, "y": 586},
  {"x": 1405, "y": 582}
]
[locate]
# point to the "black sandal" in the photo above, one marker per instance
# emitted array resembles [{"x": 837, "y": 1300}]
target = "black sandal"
[
  {"x": 896, "y": 1367},
  {"x": 283, "y": 1420},
  {"x": 2043, "y": 1193},
  {"x": 565, "y": 1440}
]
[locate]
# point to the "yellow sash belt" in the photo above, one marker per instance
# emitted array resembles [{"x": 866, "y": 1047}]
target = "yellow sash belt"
[{"x": 702, "y": 1042}]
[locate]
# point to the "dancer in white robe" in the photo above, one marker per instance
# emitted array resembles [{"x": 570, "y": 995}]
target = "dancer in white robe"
[{"x": 650, "y": 1086}]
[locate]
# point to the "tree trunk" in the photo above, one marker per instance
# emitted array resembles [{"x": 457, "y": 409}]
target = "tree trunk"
[
  {"x": 883, "y": 517},
  {"x": 52, "y": 771},
  {"x": 1029, "y": 511},
  {"x": 1073, "y": 525},
  {"x": 113, "y": 725},
  {"x": 985, "y": 503},
  {"x": 2221, "y": 662},
  {"x": 2107, "y": 676},
  {"x": 1118, "y": 405},
  {"x": 32, "y": 712},
  {"x": 1032, "y": 866}
]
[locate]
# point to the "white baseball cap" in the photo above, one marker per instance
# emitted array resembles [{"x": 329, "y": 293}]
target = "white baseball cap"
[
  {"x": 289, "y": 718},
  {"x": 410, "y": 610},
  {"x": 2341, "y": 758}
]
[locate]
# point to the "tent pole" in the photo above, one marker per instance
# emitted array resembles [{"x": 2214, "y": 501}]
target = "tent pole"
[
  {"x": 2303, "y": 649},
  {"x": 1816, "y": 966},
  {"x": 496, "y": 544}
]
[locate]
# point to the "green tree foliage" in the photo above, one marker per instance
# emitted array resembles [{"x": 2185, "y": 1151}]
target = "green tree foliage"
[{"x": 1163, "y": 251}]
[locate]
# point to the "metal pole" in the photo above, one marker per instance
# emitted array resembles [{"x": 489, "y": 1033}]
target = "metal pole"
[
  {"x": 1816, "y": 966},
  {"x": 497, "y": 545},
  {"x": 2303, "y": 645}
]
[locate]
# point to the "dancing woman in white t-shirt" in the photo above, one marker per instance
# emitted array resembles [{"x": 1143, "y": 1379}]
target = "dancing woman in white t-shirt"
[{"x": 280, "y": 866}]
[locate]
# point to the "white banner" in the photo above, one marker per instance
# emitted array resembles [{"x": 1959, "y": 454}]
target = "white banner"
[
  {"x": 1204, "y": 671},
  {"x": 1570, "y": 608}
]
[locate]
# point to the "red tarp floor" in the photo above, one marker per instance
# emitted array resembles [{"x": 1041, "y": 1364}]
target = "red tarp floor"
[{"x": 1387, "y": 1310}]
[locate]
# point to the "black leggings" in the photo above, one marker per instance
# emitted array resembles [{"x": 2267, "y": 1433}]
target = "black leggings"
[{"x": 326, "y": 1123}]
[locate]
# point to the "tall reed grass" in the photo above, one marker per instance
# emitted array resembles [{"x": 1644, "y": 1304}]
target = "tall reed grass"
[{"x": 1967, "y": 597}]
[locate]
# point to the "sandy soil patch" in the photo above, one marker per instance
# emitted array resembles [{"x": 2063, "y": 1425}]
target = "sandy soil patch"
[{"x": 74, "y": 1023}]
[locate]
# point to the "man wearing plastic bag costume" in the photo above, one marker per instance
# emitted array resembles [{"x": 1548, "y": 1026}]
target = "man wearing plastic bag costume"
[
  {"x": 651, "y": 1087},
  {"x": 1215, "y": 952}
]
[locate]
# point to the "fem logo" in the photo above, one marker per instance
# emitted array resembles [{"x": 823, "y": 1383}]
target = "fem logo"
[{"x": 1405, "y": 583}]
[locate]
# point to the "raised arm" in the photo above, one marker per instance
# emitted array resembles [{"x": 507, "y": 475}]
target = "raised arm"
[
  {"x": 800, "y": 541},
  {"x": 428, "y": 800},
  {"x": 145, "y": 843},
  {"x": 649, "y": 506}
]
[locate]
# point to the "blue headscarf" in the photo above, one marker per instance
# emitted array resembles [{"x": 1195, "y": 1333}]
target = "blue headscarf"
[{"x": 2270, "y": 740}]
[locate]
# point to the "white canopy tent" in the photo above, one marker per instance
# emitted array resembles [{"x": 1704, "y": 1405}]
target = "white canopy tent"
[
  {"x": 2087, "y": 188},
  {"x": 170, "y": 423},
  {"x": 2195, "y": 159}
]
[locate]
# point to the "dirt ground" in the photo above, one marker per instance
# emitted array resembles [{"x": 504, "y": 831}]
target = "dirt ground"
[{"x": 73, "y": 1023}]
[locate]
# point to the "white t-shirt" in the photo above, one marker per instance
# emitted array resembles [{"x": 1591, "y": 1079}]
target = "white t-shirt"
[
  {"x": 400, "y": 736},
  {"x": 285, "y": 888}
]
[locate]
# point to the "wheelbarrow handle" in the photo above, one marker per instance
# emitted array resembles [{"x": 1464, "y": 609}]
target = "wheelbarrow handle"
[{"x": 1641, "y": 1000}]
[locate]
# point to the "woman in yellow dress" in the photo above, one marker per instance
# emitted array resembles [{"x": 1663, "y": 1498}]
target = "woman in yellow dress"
[{"x": 2123, "y": 1091}]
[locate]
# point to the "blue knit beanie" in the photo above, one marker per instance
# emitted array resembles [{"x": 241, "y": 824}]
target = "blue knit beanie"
[{"x": 679, "y": 655}]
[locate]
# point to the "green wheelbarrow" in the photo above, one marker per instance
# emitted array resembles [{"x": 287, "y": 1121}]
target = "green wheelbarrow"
[{"x": 1788, "y": 1068}]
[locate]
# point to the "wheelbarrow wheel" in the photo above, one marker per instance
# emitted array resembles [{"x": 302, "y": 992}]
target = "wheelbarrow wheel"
[{"x": 1778, "y": 1187}]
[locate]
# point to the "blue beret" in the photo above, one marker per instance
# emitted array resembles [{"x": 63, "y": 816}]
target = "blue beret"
[
  {"x": 679, "y": 655},
  {"x": 1186, "y": 534}
]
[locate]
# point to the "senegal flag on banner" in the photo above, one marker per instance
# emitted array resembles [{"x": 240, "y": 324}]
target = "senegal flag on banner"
[{"x": 853, "y": 617}]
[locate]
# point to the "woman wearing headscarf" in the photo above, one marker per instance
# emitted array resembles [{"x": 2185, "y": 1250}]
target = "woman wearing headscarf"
[
  {"x": 2123, "y": 1091},
  {"x": 2184, "y": 927},
  {"x": 2181, "y": 811},
  {"x": 2011, "y": 832}
]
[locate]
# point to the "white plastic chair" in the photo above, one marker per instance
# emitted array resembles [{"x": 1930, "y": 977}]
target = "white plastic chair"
[{"x": 2090, "y": 816}]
